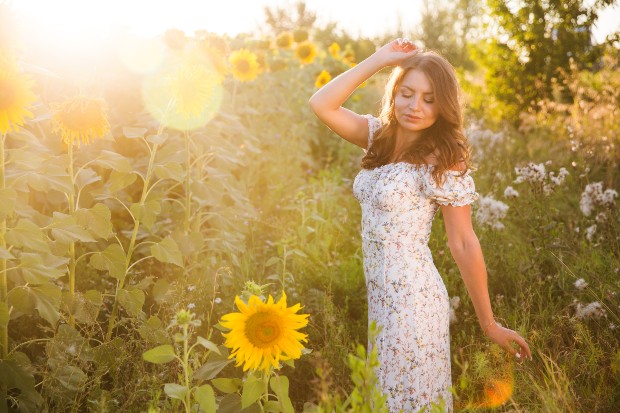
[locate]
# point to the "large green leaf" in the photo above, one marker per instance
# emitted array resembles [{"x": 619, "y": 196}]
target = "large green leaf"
[
  {"x": 28, "y": 234},
  {"x": 227, "y": 385},
  {"x": 215, "y": 363},
  {"x": 65, "y": 229},
  {"x": 41, "y": 268},
  {"x": 171, "y": 170},
  {"x": 205, "y": 397},
  {"x": 280, "y": 386},
  {"x": 133, "y": 132},
  {"x": 175, "y": 391},
  {"x": 167, "y": 251},
  {"x": 96, "y": 220},
  {"x": 153, "y": 331},
  {"x": 231, "y": 403},
  {"x": 111, "y": 259},
  {"x": 120, "y": 180},
  {"x": 160, "y": 354},
  {"x": 20, "y": 380},
  {"x": 253, "y": 389},
  {"x": 8, "y": 197},
  {"x": 6, "y": 254},
  {"x": 113, "y": 160},
  {"x": 131, "y": 300},
  {"x": 45, "y": 298},
  {"x": 146, "y": 213},
  {"x": 86, "y": 176}
]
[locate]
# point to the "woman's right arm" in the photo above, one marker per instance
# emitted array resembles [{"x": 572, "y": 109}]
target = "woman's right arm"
[{"x": 327, "y": 102}]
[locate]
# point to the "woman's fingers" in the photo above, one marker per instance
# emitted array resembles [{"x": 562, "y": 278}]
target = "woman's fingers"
[{"x": 525, "y": 349}]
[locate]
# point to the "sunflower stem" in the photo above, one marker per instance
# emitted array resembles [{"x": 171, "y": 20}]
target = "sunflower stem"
[
  {"x": 132, "y": 242},
  {"x": 4, "y": 330},
  {"x": 265, "y": 389},
  {"x": 187, "y": 401},
  {"x": 72, "y": 208},
  {"x": 188, "y": 194}
]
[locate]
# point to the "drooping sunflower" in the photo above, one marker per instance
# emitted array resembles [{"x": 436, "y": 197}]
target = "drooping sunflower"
[
  {"x": 306, "y": 52},
  {"x": 284, "y": 40},
  {"x": 80, "y": 119},
  {"x": 15, "y": 95},
  {"x": 334, "y": 50},
  {"x": 245, "y": 65},
  {"x": 322, "y": 79},
  {"x": 264, "y": 333}
]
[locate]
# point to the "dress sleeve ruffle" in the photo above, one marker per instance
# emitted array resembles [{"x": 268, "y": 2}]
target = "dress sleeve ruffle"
[
  {"x": 374, "y": 124},
  {"x": 456, "y": 190}
]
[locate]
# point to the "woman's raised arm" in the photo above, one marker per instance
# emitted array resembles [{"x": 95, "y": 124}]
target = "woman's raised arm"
[{"x": 327, "y": 102}]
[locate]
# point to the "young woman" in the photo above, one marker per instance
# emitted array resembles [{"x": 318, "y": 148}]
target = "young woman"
[{"x": 417, "y": 161}]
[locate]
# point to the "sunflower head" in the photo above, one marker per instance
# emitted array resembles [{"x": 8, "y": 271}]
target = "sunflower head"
[
  {"x": 15, "y": 94},
  {"x": 300, "y": 35},
  {"x": 264, "y": 333},
  {"x": 284, "y": 40},
  {"x": 80, "y": 120},
  {"x": 244, "y": 65},
  {"x": 334, "y": 50},
  {"x": 322, "y": 79},
  {"x": 192, "y": 87},
  {"x": 306, "y": 52}
]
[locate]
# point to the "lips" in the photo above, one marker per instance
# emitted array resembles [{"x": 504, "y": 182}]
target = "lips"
[{"x": 412, "y": 117}]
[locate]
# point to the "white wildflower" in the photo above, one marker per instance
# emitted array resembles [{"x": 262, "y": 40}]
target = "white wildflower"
[
  {"x": 590, "y": 231},
  {"x": 191, "y": 288},
  {"x": 592, "y": 310},
  {"x": 580, "y": 284},
  {"x": 483, "y": 138},
  {"x": 454, "y": 304},
  {"x": 510, "y": 192},
  {"x": 601, "y": 217},
  {"x": 491, "y": 211},
  {"x": 532, "y": 173},
  {"x": 593, "y": 196},
  {"x": 217, "y": 300},
  {"x": 191, "y": 305}
]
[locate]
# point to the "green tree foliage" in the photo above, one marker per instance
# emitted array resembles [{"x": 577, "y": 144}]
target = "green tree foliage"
[
  {"x": 535, "y": 41},
  {"x": 280, "y": 19}
]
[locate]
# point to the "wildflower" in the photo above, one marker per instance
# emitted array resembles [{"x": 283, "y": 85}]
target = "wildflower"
[
  {"x": 483, "y": 138},
  {"x": 592, "y": 310},
  {"x": 491, "y": 211},
  {"x": 191, "y": 306},
  {"x": 15, "y": 96},
  {"x": 322, "y": 79},
  {"x": 284, "y": 40},
  {"x": 454, "y": 305},
  {"x": 264, "y": 333},
  {"x": 80, "y": 120},
  {"x": 245, "y": 65},
  {"x": 590, "y": 231},
  {"x": 334, "y": 50},
  {"x": 510, "y": 192},
  {"x": 306, "y": 52},
  {"x": 593, "y": 196},
  {"x": 532, "y": 173},
  {"x": 580, "y": 284},
  {"x": 184, "y": 317},
  {"x": 217, "y": 300},
  {"x": 497, "y": 392}
]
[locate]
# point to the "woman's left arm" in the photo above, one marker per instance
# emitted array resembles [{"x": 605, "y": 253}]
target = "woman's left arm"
[{"x": 465, "y": 249}]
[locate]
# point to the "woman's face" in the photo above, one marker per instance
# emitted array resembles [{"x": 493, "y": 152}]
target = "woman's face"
[{"x": 414, "y": 102}]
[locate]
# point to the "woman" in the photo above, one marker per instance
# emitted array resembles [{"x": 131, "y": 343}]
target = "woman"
[{"x": 417, "y": 161}]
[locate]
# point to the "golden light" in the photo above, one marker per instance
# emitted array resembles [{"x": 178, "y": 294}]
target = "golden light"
[{"x": 497, "y": 392}]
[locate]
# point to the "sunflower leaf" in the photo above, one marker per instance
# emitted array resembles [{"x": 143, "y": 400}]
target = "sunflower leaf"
[
  {"x": 279, "y": 384},
  {"x": 208, "y": 344},
  {"x": 160, "y": 354},
  {"x": 253, "y": 389},
  {"x": 206, "y": 398},
  {"x": 175, "y": 391}
]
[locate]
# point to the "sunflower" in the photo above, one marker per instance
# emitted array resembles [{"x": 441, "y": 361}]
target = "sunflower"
[
  {"x": 80, "y": 120},
  {"x": 300, "y": 35},
  {"x": 306, "y": 52},
  {"x": 322, "y": 79},
  {"x": 284, "y": 40},
  {"x": 263, "y": 334},
  {"x": 192, "y": 87},
  {"x": 245, "y": 65},
  {"x": 15, "y": 95},
  {"x": 334, "y": 50}
]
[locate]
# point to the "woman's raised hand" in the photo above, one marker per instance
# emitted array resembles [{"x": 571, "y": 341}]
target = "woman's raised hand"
[{"x": 396, "y": 51}]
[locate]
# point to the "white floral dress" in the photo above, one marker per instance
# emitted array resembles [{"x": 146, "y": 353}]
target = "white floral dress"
[{"x": 406, "y": 294}]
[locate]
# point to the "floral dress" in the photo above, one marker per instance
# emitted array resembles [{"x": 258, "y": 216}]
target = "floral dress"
[{"x": 406, "y": 294}]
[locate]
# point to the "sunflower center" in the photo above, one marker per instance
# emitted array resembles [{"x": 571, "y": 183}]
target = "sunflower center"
[
  {"x": 263, "y": 329},
  {"x": 304, "y": 52},
  {"x": 7, "y": 94},
  {"x": 243, "y": 66}
]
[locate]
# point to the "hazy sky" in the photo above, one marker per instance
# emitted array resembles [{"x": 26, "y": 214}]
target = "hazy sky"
[{"x": 152, "y": 17}]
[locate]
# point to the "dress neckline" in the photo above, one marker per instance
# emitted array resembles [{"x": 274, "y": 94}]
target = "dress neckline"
[{"x": 427, "y": 166}]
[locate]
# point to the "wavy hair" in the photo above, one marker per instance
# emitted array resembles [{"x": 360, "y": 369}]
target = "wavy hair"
[{"x": 445, "y": 138}]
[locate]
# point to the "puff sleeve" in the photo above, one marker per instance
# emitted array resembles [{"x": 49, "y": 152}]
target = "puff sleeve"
[
  {"x": 374, "y": 124},
  {"x": 456, "y": 190}
]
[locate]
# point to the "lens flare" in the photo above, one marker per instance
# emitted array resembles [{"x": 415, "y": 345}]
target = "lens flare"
[
  {"x": 497, "y": 392},
  {"x": 141, "y": 55}
]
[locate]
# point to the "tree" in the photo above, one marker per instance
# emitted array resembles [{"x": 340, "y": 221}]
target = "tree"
[{"x": 280, "y": 19}]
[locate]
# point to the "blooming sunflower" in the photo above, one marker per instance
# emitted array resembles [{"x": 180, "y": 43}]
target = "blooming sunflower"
[
  {"x": 322, "y": 79},
  {"x": 284, "y": 40},
  {"x": 80, "y": 120},
  {"x": 245, "y": 65},
  {"x": 192, "y": 87},
  {"x": 263, "y": 334},
  {"x": 15, "y": 96},
  {"x": 334, "y": 50},
  {"x": 306, "y": 52}
]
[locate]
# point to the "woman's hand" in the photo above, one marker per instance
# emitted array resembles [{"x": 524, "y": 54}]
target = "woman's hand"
[
  {"x": 394, "y": 52},
  {"x": 505, "y": 337}
]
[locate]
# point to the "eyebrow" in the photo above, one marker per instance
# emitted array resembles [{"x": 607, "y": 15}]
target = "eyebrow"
[{"x": 413, "y": 90}]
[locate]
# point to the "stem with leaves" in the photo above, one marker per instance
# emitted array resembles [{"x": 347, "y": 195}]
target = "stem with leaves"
[
  {"x": 72, "y": 208},
  {"x": 132, "y": 243},
  {"x": 4, "y": 333}
]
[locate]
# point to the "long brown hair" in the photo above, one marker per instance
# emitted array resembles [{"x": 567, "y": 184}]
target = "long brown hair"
[{"x": 445, "y": 138}]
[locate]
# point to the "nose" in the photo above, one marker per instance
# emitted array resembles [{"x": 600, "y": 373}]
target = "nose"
[{"x": 414, "y": 103}]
